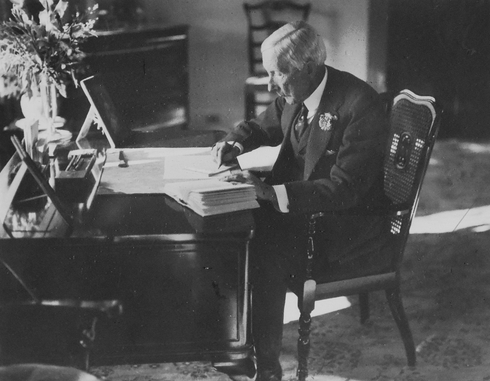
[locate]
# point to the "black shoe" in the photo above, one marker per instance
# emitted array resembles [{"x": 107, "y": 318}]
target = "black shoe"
[{"x": 236, "y": 368}]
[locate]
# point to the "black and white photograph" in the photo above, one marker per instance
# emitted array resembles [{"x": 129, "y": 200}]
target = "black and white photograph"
[{"x": 244, "y": 190}]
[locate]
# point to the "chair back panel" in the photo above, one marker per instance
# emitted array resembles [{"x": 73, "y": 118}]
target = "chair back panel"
[
  {"x": 263, "y": 19},
  {"x": 414, "y": 122},
  {"x": 411, "y": 129}
]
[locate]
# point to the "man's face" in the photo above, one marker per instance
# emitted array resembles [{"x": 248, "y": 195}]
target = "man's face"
[{"x": 292, "y": 84}]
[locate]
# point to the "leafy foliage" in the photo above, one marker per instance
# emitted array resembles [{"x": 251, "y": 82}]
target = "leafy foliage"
[{"x": 36, "y": 41}]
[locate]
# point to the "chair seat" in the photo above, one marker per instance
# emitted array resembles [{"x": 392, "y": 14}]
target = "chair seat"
[
  {"x": 372, "y": 262},
  {"x": 352, "y": 286},
  {"x": 349, "y": 278}
]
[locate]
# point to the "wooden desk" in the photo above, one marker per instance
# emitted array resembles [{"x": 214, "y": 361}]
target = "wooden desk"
[{"x": 182, "y": 279}]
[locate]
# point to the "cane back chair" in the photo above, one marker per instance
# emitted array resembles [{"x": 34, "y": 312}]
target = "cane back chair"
[
  {"x": 414, "y": 122},
  {"x": 263, "y": 19}
]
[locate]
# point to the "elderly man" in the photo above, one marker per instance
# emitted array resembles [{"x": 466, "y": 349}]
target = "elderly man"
[{"x": 332, "y": 129}]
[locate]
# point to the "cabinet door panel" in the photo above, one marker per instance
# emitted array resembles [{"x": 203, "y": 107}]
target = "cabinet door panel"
[{"x": 145, "y": 73}]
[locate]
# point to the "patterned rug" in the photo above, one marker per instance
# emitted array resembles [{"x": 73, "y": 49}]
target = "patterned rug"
[{"x": 445, "y": 287}]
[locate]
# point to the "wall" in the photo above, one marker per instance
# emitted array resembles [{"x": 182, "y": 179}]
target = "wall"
[{"x": 218, "y": 49}]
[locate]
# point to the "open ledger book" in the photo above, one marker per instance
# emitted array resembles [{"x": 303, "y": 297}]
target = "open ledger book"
[{"x": 210, "y": 197}]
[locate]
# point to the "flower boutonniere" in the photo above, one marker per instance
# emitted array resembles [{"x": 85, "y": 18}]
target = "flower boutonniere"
[{"x": 326, "y": 121}]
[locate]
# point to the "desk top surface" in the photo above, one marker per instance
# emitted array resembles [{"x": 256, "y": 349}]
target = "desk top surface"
[{"x": 130, "y": 214}]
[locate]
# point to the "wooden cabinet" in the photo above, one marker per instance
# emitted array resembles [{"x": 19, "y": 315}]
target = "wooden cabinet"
[{"x": 146, "y": 74}]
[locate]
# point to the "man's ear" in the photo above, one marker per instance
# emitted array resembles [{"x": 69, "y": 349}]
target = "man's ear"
[{"x": 310, "y": 67}]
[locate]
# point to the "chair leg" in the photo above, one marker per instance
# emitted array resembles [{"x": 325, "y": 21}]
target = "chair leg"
[
  {"x": 395, "y": 302},
  {"x": 303, "y": 345},
  {"x": 364, "y": 306}
]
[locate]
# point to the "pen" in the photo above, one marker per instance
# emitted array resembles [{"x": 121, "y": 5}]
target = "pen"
[{"x": 218, "y": 171}]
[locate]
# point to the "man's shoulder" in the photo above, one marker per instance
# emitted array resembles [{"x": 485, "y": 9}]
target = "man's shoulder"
[
  {"x": 350, "y": 89},
  {"x": 348, "y": 80}
]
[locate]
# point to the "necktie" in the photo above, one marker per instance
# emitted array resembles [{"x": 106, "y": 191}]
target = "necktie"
[{"x": 302, "y": 121}]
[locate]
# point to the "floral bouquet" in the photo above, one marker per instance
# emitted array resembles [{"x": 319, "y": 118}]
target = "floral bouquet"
[{"x": 42, "y": 44}]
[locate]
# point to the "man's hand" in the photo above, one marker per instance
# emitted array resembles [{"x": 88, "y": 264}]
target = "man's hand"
[
  {"x": 224, "y": 152},
  {"x": 264, "y": 191}
]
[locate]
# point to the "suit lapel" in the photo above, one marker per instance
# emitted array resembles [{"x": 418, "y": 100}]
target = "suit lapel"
[{"x": 319, "y": 139}]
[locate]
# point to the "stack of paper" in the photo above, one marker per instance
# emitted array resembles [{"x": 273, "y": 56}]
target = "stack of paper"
[{"x": 210, "y": 197}]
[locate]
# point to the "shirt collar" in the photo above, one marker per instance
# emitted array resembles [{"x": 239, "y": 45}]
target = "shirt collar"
[{"x": 313, "y": 101}]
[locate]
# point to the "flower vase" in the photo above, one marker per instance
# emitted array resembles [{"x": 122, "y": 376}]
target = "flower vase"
[
  {"x": 50, "y": 121},
  {"x": 41, "y": 105},
  {"x": 32, "y": 109},
  {"x": 49, "y": 100}
]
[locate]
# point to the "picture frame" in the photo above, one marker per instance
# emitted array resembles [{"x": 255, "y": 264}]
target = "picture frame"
[
  {"x": 102, "y": 112},
  {"x": 52, "y": 210}
]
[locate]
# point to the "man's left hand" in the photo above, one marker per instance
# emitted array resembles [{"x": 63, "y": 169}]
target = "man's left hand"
[{"x": 264, "y": 191}]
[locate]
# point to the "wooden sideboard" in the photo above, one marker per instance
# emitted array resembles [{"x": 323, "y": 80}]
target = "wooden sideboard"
[{"x": 146, "y": 73}]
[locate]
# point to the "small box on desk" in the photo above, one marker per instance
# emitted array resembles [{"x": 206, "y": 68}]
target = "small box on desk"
[{"x": 76, "y": 182}]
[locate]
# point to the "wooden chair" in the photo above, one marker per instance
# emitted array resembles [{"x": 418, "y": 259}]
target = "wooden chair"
[
  {"x": 50, "y": 332},
  {"x": 414, "y": 122},
  {"x": 264, "y": 18}
]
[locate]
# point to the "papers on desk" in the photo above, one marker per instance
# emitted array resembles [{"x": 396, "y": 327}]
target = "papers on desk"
[
  {"x": 212, "y": 171},
  {"x": 211, "y": 197},
  {"x": 261, "y": 159},
  {"x": 174, "y": 170},
  {"x": 147, "y": 170}
]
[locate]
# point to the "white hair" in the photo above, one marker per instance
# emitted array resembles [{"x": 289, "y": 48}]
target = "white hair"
[{"x": 295, "y": 44}]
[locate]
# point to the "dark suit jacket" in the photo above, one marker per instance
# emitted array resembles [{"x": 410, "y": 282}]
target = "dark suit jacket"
[{"x": 343, "y": 165}]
